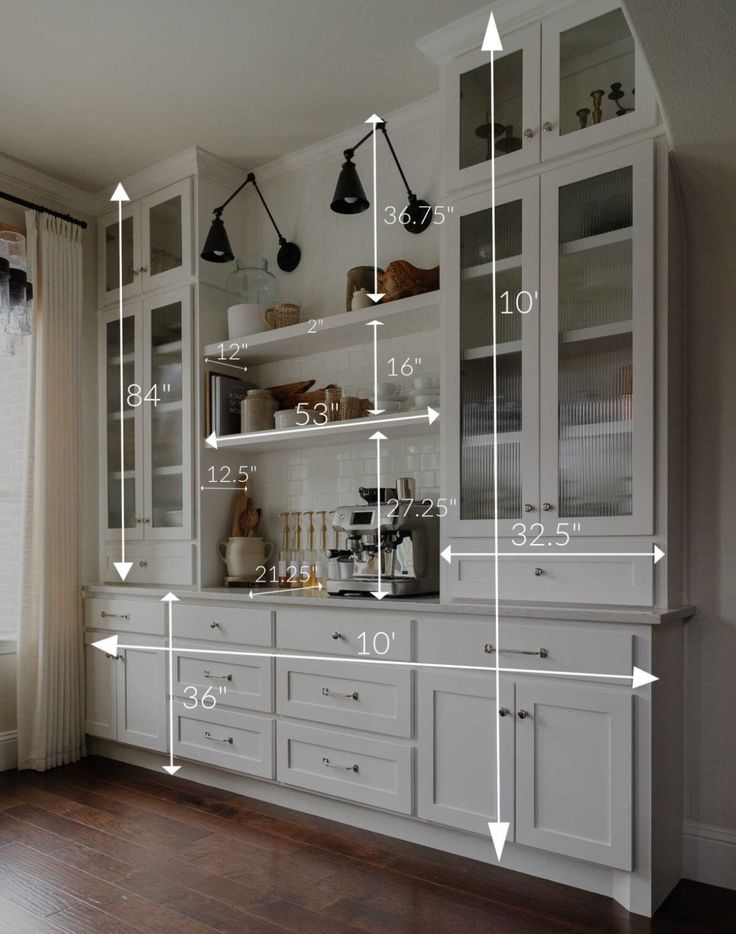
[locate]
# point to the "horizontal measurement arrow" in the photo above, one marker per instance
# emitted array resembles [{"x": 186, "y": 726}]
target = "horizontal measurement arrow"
[
  {"x": 111, "y": 645},
  {"x": 262, "y": 593},
  {"x": 232, "y": 366},
  {"x": 448, "y": 554},
  {"x": 431, "y": 416}
]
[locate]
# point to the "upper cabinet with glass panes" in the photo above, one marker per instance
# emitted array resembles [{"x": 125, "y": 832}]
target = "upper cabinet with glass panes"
[
  {"x": 156, "y": 244},
  {"x": 571, "y": 81}
]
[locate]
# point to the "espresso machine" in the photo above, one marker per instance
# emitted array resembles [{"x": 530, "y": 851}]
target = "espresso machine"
[{"x": 401, "y": 534}]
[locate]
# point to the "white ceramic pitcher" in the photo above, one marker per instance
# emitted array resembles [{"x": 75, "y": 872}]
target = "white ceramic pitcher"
[{"x": 243, "y": 556}]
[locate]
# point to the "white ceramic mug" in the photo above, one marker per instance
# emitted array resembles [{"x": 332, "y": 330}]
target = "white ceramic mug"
[{"x": 244, "y": 556}]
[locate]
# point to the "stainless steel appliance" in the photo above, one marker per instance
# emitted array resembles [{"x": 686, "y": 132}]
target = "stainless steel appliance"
[{"x": 399, "y": 535}]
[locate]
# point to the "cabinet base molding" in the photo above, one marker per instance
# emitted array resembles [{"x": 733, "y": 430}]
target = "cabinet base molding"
[
  {"x": 8, "y": 750},
  {"x": 635, "y": 898},
  {"x": 709, "y": 854}
]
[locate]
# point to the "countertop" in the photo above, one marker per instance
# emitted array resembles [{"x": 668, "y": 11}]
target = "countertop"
[{"x": 418, "y": 606}]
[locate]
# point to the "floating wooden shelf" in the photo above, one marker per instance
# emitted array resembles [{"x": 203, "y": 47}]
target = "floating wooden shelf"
[{"x": 334, "y": 332}]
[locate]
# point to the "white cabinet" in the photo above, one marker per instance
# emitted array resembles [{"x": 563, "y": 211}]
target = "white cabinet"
[
  {"x": 574, "y": 774},
  {"x": 154, "y": 424},
  {"x": 126, "y": 695},
  {"x": 456, "y": 772},
  {"x": 157, "y": 244},
  {"x": 561, "y": 85},
  {"x": 566, "y": 762}
]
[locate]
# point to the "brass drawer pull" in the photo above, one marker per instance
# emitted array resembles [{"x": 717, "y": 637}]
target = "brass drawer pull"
[
  {"x": 218, "y": 739},
  {"x": 105, "y": 615},
  {"x": 490, "y": 649},
  {"x": 345, "y": 768},
  {"x": 208, "y": 674},
  {"x": 328, "y": 693}
]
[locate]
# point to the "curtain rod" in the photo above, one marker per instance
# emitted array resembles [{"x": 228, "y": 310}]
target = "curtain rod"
[{"x": 42, "y": 210}]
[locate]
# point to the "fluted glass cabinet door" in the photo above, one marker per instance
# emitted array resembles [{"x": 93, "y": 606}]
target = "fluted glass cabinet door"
[
  {"x": 595, "y": 83},
  {"x": 167, "y": 415},
  {"x": 122, "y": 478},
  {"x": 470, "y": 419},
  {"x": 166, "y": 235},
  {"x": 597, "y": 343},
  {"x": 513, "y": 135},
  {"x": 109, "y": 253}
]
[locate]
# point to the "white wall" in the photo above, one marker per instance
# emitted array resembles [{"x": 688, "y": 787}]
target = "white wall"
[{"x": 704, "y": 141}]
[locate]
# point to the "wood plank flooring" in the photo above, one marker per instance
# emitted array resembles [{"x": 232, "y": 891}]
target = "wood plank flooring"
[{"x": 106, "y": 847}]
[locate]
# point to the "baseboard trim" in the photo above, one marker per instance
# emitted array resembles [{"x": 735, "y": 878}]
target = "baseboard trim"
[
  {"x": 8, "y": 750},
  {"x": 709, "y": 854}
]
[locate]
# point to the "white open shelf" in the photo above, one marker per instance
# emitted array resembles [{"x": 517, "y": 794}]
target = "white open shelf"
[
  {"x": 598, "y": 240},
  {"x": 351, "y": 430},
  {"x": 405, "y": 316}
]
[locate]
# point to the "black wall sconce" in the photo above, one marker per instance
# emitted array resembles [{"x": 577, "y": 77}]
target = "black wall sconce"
[
  {"x": 217, "y": 247},
  {"x": 349, "y": 197}
]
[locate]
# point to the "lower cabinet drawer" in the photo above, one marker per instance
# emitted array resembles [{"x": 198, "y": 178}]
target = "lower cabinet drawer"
[
  {"x": 604, "y": 579},
  {"x": 217, "y": 623},
  {"x": 125, "y": 615},
  {"x": 350, "y": 694},
  {"x": 357, "y": 768},
  {"x": 238, "y": 682},
  {"x": 167, "y": 563},
  {"x": 344, "y": 632},
  {"x": 600, "y": 648},
  {"x": 237, "y": 741}
]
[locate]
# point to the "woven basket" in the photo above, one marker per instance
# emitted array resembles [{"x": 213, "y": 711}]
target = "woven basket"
[{"x": 281, "y": 316}]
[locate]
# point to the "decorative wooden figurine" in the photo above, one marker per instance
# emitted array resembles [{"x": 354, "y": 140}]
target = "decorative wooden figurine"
[{"x": 402, "y": 279}]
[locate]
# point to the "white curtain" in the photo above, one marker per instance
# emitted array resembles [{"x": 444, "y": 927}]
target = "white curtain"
[{"x": 50, "y": 646}]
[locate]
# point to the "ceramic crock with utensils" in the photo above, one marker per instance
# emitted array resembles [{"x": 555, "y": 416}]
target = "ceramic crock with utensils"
[{"x": 244, "y": 556}]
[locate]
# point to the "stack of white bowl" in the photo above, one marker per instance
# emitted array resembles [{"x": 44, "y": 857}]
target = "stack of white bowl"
[
  {"x": 425, "y": 392},
  {"x": 390, "y": 397}
]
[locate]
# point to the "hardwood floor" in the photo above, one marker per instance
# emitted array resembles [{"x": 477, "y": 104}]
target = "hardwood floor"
[{"x": 103, "y": 846}]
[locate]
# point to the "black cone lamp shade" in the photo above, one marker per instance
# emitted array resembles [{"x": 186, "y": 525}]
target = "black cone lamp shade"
[
  {"x": 349, "y": 197},
  {"x": 217, "y": 247}
]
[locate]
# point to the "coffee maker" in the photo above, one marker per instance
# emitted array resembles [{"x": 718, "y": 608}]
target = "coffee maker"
[{"x": 403, "y": 535}]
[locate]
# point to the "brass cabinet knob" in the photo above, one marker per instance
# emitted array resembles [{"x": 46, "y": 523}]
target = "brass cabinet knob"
[
  {"x": 214, "y": 624},
  {"x": 504, "y": 712},
  {"x": 548, "y": 126},
  {"x": 528, "y": 507},
  {"x": 522, "y": 714},
  {"x": 337, "y": 635},
  {"x": 143, "y": 564},
  {"x": 547, "y": 507},
  {"x": 538, "y": 572},
  {"x": 528, "y": 133}
]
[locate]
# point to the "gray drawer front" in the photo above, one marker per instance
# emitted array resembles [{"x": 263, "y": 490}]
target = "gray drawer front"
[
  {"x": 349, "y": 694},
  {"x": 235, "y": 682},
  {"x": 121, "y": 615},
  {"x": 337, "y": 632},
  {"x": 223, "y": 624},
  {"x": 237, "y": 741},
  {"x": 356, "y": 768}
]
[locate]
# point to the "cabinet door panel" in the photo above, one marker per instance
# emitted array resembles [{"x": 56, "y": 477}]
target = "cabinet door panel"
[
  {"x": 468, "y": 336},
  {"x": 597, "y": 343},
  {"x": 166, "y": 236},
  {"x": 108, "y": 253},
  {"x": 574, "y": 772},
  {"x": 101, "y": 677},
  {"x": 589, "y": 53},
  {"x": 141, "y": 698},
  {"x": 458, "y": 715},
  {"x": 469, "y": 136}
]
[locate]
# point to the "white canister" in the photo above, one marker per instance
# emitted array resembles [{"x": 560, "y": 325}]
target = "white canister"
[
  {"x": 245, "y": 319},
  {"x": 361, "y": 299},
  {"x": 286, "y": 418},
  {"x": 244, "y": 557}
]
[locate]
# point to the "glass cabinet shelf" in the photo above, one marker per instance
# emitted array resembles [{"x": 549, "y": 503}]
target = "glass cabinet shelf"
[{"x": 483, "y": 353}]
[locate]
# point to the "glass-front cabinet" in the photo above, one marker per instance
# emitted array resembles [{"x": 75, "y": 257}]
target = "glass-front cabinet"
[
  {"x": 469, "y": 464},
  {"x": 574, "y": 352},
  {"x": 154, "y": 477},
  {"x": 574, "y": 80},
  {"x": 156, "y": 241}
]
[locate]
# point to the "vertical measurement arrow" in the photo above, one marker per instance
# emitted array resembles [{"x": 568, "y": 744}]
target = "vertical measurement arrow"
[
  {"x": 378, "y": 437},
  {"x": 170, "y": 599},
  {"x": 499, "y": 829},
  {"x": 122, "y": 566},
  {"x": 375, "y": 325},
  {"x": 375, "y": 295}
]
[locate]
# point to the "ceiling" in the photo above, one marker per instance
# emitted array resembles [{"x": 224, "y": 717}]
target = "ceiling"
[{"x": 94, "y": 90}]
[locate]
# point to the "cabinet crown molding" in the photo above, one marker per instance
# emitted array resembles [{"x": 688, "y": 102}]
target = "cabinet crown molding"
[{"x": 466, "y": 33}]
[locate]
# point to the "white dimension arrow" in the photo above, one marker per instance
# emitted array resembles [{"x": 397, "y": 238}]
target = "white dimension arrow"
[
  {"x": 122, "y": 566},
  {"x": 431, "y": 415},
  {"x": 172, "y": 769},
  {"x": 231, "y": 365},
  {"x": 262, "y": 593},
  {"x": 656, "y": 553},
  {"x": 492, "y": 43},
  {"x": 378, "y": 438},
  {"x": 375, "y": 325},
  {"x": 375, "y": 295},
  {"x": 638, "y": 677}
]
